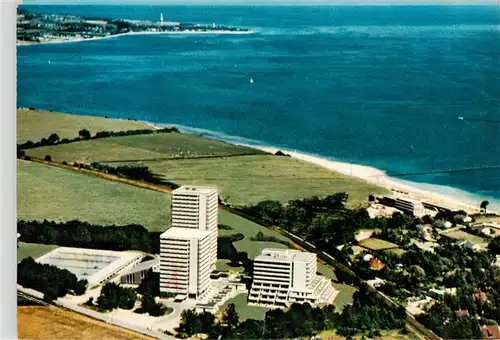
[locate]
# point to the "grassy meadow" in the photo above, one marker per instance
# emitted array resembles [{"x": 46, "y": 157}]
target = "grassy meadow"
[
  {"x": 46, "y": 192},
  {"x": 242, "y": 180},
  {"x": 377, "y": 244},
  {"x": 248, "y": 180},
  {"x": 37, "y": 124},
  {"x": 462, "y": 235},
  {"x": 140, "y": 147}
]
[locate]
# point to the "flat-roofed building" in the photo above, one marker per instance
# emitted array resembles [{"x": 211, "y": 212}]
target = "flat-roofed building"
[
  {"x": 284, "y": 276},
  {"x": 94, "y": 265},
  {"x": 409, "y": 206},
  {"x": 188, "y": 250},
  {"x": 196, "y": 207},
  {"x": 185, "y": 265}
]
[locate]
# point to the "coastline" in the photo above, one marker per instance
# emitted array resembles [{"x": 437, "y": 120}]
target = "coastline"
[
  {"x": 433, "y": 193},
  {"x": 62, "y": 41}
]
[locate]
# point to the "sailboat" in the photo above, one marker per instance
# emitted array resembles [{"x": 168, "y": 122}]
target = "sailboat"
[{"x": 251, "y": 81}]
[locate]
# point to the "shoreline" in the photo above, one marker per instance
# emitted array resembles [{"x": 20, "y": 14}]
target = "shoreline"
[
  {"x": 63, "y": 41},
  {"x": 457, "y": 199}
]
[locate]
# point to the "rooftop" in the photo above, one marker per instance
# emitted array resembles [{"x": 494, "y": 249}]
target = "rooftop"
[
  {"x": 190, "y": 189},
  {"x": 408, "y": 200},
  {"x": 285, "y": 255},
  {"x": 490, "y": 332},
  {"x": 94, "y": 265},
  {"x": 146, "y": 265},
  {"x": 185, "y": 233}
]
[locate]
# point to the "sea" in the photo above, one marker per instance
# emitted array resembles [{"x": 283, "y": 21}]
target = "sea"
[{"x": 411, "y": 90}]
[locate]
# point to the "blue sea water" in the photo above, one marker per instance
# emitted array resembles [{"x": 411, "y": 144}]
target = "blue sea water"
[{"x": 379, "y": 86}]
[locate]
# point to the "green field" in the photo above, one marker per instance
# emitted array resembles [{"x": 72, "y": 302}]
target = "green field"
[
  {"x": 377, "y": 244},
  {"x": 249, "y": 229},
  {"x": 222, "y": 265},
  {"x": 326, "y": 271},
  {"x": 34, "y": 250},
  {"x": 34, "y": 125},
  {"x": 462, "y": 235},
  {"x": 244, "y": 310},
  {"x": 45, "y": 192},
  {"x": 140, "y": 147},
  {"x": 345, "y": 295},
  {"x": 250, "y": 179},
  {"x": 396, "y": 251}
]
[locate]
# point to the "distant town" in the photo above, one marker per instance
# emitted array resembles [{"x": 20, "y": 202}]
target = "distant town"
[{"x": 45, "y": 28}]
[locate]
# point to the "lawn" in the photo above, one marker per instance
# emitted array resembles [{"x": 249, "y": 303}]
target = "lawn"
[
  {"x": 462, "y": 235},
  {"x": 244, "y": 310},
  {"x": 249, "y": 229},
  {"x": 250, "y": 179},
  {"x": 344, "y": 296},
  {"x": 141, "y": 147},
  {"x": 34, "y": 125},
  {"x": 396, "y": 251},
  {"x": 222, "y": 265},
  {"x": 377, "y": 244},
  {"x": 45, "y": 192},
  {"x": 34, "y": 250},
  {"x": 326, "y": 271}
]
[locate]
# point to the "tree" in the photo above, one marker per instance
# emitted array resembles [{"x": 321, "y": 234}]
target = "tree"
[
  {"x": 149, "y": 305},
  {"x": 248, "y": 329},
  {"x": 20, "y": 153},
  {"x": 84, "y": 134},
  {"x": 190, "y": 323},
  {"x": 463, "y": 328},
  {"x": 484, "y": 205},
  {"x": 270, "y": 211},
  {"x": 53, "y": 138},
  {"x": 494, "y": 246},
  {"x": 48, "y": 158},
  {"x": 113, "y": 296},
  {"x": 81, "y": 287},
  {"x": 231, "y": 317}
]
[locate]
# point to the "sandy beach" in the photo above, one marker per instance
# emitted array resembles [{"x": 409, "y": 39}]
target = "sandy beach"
[
  {"x": 379, "y": 177},
  {"x": 61, "y": 41}
]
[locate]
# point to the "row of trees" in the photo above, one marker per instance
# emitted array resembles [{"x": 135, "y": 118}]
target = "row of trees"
[
  {"x": 85, "y": 134},
  {"x": 367, "y": 316},
  {"x": 133, "y": 172},
  {"x": 85, "y": 235},
  {"x": 53, "y": 282}
]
